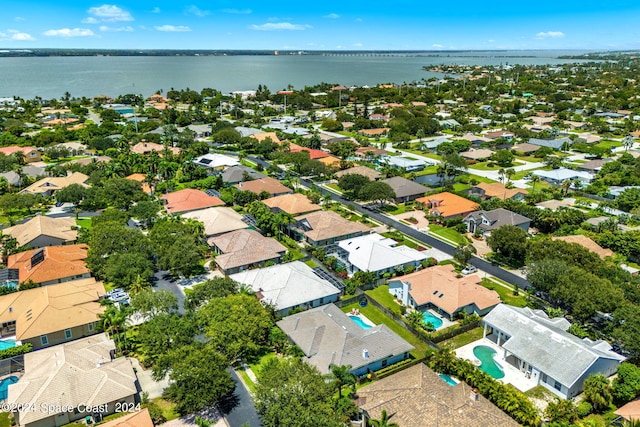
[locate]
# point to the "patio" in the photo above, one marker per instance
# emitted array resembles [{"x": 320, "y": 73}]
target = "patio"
[
  {"x": 512, "y": 375},
  {"x": 445, "y": 320}
]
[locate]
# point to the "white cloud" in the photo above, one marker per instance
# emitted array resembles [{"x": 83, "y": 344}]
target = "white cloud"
[
  {"x": 491, "y": 41},
  {"x": 18, "y": 19},
  {"x": 437, "y": 46},
  {"x": 69, "y": 32},
  {"x": 110, "y": 13},
  {"x": 237, "y": 11},
  {"x": 332, "y": 16},
  {"x": 279, "y": 26},
  {"x": 90, "y": 20},
  {"x": 155, "y": 10},
  {"x": 116, "y": 29},
  {"x": 196, "y": 11},
  {"x": 20, "y": 36},
  {"x": 173, "y": 28},
  {"x": 550, "y": 35},
  {"x": 357, "y": 45}
]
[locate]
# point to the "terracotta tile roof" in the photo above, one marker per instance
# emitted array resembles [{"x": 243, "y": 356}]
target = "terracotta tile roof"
[
  {"x": 56, "y": 183},
  {"x": 362, "y": 151},
  {"x": 499, "y": 134},
  {"x": 294, "y": 204},
  {"x": 447, "y": 204},
  {"x": 497, "y": 189},
  {"x": 374, "y": 132},
  {"x": 372, "y": 174},
  {"x": 270, "y": 185},
  {"x": 478, "y": 154},
  {"x": 630, "y": 411},
  {"x": 189, "y": 199},
  {"x": 136, "y": 419},
  {"x": 330, "y": 161},
  {"x": 440, "y": 286},
  {"x": 328, "y": 225},
  {"x": 313, "y": 154},
  {"x": 245, "y": 247},
  {"x": 418, "y": 397},
  {"x": 74, "y": 373},
  {"x": 140, "y": 177},
  {"x": 52, "y": 308},
  {"x": 7, "y": 151},
  {"x": 586, "y": 242},
  {"x": 42, "y": 225},
  {"x": 60, "y": 262}
]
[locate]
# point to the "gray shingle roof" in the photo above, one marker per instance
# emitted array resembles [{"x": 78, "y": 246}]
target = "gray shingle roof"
[
  {"x": 234, "y": 174},
  {"x": 326, "y": 335},
  {"x": 556, "y": 144},
  {"x": 404, "y": 187},
  {"x": 545, "y": 344},
  {"x": 497, "y": 218}
]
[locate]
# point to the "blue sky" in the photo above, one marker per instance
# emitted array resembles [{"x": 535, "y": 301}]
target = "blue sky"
[{"x": 322, "y": 25}]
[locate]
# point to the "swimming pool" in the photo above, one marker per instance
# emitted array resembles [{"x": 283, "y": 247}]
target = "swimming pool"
[
  {"x": 7, "y": 343},
  {"x": 4, "y": 386},
  {"x": 485, "y": 355},
  {"x": 427, "y": 317},
  {"x": 447, "y": 379},
  {"x": 360, "y": 322}
]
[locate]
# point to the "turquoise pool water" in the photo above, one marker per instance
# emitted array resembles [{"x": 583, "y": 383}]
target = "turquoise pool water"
[
  {"x": 359, "y": 322},
  {"x": 447, "y": 379},
  {"x": 7, "y": 343},
  {"x": 485, "y": 355},
  {"x": 427, "y": 317},
  {"x": 4, "y": 386}
]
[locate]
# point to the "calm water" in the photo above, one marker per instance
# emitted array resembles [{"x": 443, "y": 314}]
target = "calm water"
[
  {"x": 486, "y": 356},
  {"x": 51, "y": 77}
]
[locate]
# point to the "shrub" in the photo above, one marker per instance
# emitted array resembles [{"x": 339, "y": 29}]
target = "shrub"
[
  {"x": 15, "y": 351},
  {"x": 584, "y": 409}
]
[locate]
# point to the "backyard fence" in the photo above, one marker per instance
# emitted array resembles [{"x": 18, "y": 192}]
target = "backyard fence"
[{"x": 455, "y": 332}]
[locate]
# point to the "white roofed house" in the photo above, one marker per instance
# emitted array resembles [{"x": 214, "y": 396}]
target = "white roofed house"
[
  {"x": 288, "y": 286},
  {"x": 377, "y": 254},
  {"x": 484, "y": 222},
  {"x": 542, "y": 348}
]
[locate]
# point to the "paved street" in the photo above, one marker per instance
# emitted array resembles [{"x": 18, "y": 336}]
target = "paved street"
[
  {"x": 173, "y": 287},
  {"x": 241, "y": 411}
]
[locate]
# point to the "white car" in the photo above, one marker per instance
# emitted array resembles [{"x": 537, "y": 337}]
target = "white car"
[{"x": 470, "y": 269}]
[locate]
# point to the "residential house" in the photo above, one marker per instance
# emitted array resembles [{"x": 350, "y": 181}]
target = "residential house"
[
  {"x": 293, "y": 204},
  {"x": 89, "y": 160},
  {"x": 477, "y": 155},
  {"x": 404, "y": 189},
  {"x": 142, "y": 179},
  {"x": 313, "y": 153},
  {"x": 289, "y": 286},
  {"x": 189, "y": 200},
  {"x": 508, "y": 135},
  {"x": 12, "y": 177},
  {"x": 80, "y": 375},
  {"x": 147, "y": 147},
  {"x": 134, "y": 419},
  {"x": 556, "y": 144},
  {"x": 49, "y": 185},
  {"x": 51, "y": 265},
  {"x": 34, "y": 171},
  {"x": 558, "y": 176},
  {"x": 409, "y": 165},
  {"x": 418, "y": 397},
  {"x": 542, "y": 348},
  {"x": 447, "y": 205},
  {"x": 486, "y": 190},
  {"x": 484, "y": 222},
  {"x": 269, "y": 185},
  {"x": 215, "y": 162},
  {"x": 41, "y": 231},
  {"x": 372, "y": 174},
  {"x": 261, "y": 136},
  {"x": 593, "y": 166},
  {"x": 30, "y": 154},
  {"x": 587, "y": 243},
  {"x": 51, "y": 315},
  {"x": 322, "y": 228},
  {"x": 475, "y": 139},
  {"x": 328, "y": 336},
  {"x": 433, "y": 143},
  {"x": 525, "y": 148},
  {"x": 243, "y": 249},
  {"x": 630, "y": 411},
  {"x": 369, "y": 153},
  {"x": 439, "y": 288},
  {"x": 372, "y": 133},
  {"x": 218, "y": 220},
  {"x": 235, "y": 174},
  {"x": 377, "y": 254}
]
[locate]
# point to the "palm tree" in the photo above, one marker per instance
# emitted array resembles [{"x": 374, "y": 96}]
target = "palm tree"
[
  {"x": 628, "y": 142},
  {"x": 342, "y": 376},
  {"x": 509, "y": 173},
  {"x": 501, "y": 174},
  {"x": 566, "y": 185},
  {"x": 383, "y": 421},
  {"x": 534, "y": 180},
  {"x": 113, "y": 321}
]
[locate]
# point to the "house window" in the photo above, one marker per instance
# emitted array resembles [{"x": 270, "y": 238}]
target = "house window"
[
  {"x": 67, "y": 334},
  {"x": 91, "y": 327},
  {"x": 557, "y": 386},
  {"x": 44, "y": 340},
  {"x": 384, "y": 363}
]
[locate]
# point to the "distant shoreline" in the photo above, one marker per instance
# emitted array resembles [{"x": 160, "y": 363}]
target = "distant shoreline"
[{"x": 503, "y": 53}]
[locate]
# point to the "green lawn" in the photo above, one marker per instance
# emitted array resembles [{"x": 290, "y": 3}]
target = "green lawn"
[
  {"x": 401, "y": 239},
  {"x": 429, "y": 170},
  {"x": 382, "y": 295},
  {"x": 448, "y": 234},
  {"x": 458, "y": 186},
  {"x": 606, "y": 143},
  {"x": 484, "y": 166},
  {"x": 506, "y": 293},
  {"x": 168, "y": 408},
  {"x": 463, "y": 339},
  {"x": 84, "y": 223},
  {"x": 4, "y": 419},
  {"x": 257, "y": 366},
  {"x": 250, "y": 385},
  {"x": 378, "y": 317},
  {"x": 334, "y": 187},
  {"x": 478, "y": 178},
  {"x": 311, "y": 263}
]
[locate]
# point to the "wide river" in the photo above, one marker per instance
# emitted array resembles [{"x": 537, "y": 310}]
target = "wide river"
[{"x": 50, "y": 77}]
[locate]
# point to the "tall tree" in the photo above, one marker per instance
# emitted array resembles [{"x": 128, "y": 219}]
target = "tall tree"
[
  {"x": 383, "y": 421},
  {"x": 597, "y": 391}
]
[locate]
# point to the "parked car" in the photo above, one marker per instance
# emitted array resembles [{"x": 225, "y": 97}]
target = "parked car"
[{"x": 469, "y": 269}]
